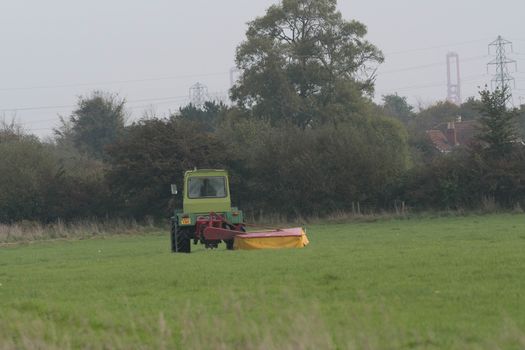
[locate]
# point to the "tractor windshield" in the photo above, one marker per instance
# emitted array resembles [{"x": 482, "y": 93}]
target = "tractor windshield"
[{"x": 207, "y": 187}]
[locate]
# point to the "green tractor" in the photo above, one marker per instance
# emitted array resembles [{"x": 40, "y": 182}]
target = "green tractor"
[{"x": 206, "y": 216}]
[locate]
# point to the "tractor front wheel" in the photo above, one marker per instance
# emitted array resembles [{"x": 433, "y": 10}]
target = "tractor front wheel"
[
  {"x": 180, "y": 239},
  {"x": 229, "y": 244}
]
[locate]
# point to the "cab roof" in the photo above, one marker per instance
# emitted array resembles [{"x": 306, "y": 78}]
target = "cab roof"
[{"x": 206, "y": 172}]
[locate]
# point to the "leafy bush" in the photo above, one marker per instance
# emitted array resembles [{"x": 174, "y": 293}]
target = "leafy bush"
[
  {"x": 153, "y": 155},
  {"x": 39, "y": 182},
  {"x": 304, "y": 171},
  {"x": 26, "y": 171}
]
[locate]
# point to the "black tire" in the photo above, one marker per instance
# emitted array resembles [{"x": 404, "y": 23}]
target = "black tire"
[
  {"x": 185, "y": 241},
  {"x": 229, "y": 244},
  {"x": 173, "y": 234},
  {"x": 180, "y": 239}
]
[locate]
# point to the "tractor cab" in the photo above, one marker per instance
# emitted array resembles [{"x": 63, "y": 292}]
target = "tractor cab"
[{"x": 206, "y": 191}]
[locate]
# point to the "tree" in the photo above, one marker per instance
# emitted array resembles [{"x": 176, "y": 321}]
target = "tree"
[
  {"x": 498, "y": 125},
  {"x": 26, "y": 170},
  {"x": 440, "y": 112},
  {"x": 469, "y": 109},
  {"x": 208, "y": 116},
  {"x": 398, "y": 107},
  {"x": 302, "y": 62},
  {"x": 97, "y": 122},
  {"x": 11, "y": 131},
  {"x": 521, "y": 121}
]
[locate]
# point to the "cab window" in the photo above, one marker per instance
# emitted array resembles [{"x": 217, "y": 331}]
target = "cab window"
[{"x": 207, "y": 187}]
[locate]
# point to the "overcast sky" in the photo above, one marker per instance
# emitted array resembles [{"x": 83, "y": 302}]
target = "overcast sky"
[{"x": 151, "y": 52}]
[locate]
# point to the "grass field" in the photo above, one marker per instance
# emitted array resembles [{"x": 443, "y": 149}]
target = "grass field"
[{"x": 443, "y": 283}]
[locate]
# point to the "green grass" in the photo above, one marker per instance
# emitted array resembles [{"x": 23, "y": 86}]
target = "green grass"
[{"x": 444, "y": 283}]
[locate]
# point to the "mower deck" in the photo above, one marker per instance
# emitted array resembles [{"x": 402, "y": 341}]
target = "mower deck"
[{"x": 281, "y": 238}]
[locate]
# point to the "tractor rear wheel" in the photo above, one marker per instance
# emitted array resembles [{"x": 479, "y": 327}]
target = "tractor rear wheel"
[{"x": 180, "y": 239}]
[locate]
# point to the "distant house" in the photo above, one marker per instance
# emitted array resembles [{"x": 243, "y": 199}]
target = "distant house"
[{"x": 446, "y": 136}]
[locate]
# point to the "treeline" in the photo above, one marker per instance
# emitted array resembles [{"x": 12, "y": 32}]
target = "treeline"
[
  {"x": 303, "y": 137},
  {"x": 376, "y": 162},
  {"x": 275, "y": 169}
]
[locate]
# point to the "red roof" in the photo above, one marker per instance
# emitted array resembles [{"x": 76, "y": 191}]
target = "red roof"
[
  {"x": 465, "y": 133},
  {"x": 439, "y": 140}
]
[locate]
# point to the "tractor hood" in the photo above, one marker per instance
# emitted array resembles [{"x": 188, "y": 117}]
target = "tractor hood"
[{"x": 206, "y": 206}]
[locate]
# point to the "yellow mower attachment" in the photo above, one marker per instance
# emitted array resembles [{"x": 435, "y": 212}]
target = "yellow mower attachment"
[{"x": 275, "y": 239}]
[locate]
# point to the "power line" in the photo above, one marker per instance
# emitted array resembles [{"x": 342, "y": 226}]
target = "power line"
[
  {"x": 187, "y": 76},
  {"x": 55, "y": 120},
  {"x": 470, "y": 78},
  {"x": 159, "y": 100},
  {"x": 181, "y": 77},
  {"x": 162, "y": 100},
  {"x": 35, "y": 108},
  {"x": 439, "y": 83},
  {"x": 111, "y": 82},
  {"x": 169, "y": 99},
  {"x": 128, "y": 107},
  {"x": 468, "y": 59},
  {"x": 436, "y": 47},
  {"x": 52, "y": 128}
]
